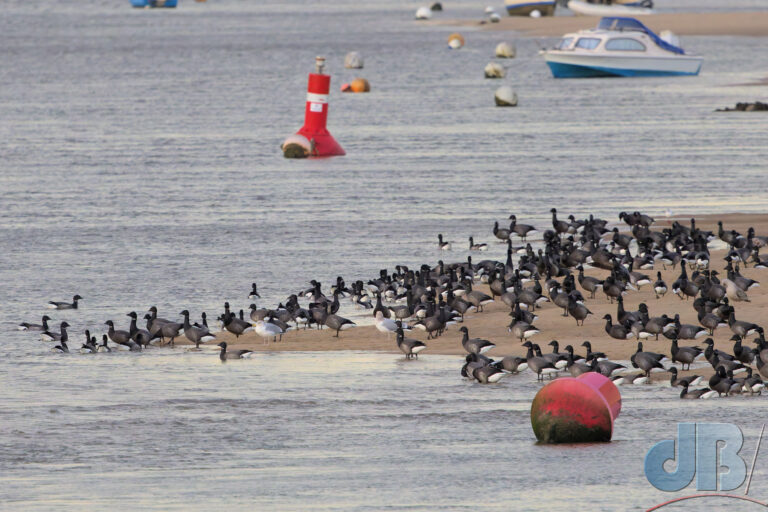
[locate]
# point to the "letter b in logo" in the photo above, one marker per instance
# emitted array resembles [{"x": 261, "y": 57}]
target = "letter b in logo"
[{"x": 698, "y": 455}]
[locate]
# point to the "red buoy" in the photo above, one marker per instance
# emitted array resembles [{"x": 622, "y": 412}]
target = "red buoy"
[
  {"x": 314, "y": 139},
  {"x": 576, "y": 410}
]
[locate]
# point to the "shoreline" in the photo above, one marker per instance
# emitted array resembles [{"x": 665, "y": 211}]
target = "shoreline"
[
  {"x": 492, "y": 324},
  {"x": 747, "y": 23}
]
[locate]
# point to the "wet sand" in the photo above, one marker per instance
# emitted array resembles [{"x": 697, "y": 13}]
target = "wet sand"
[
  {"x": 492, "y": 324},
  {"x": 686, "y": 24}
]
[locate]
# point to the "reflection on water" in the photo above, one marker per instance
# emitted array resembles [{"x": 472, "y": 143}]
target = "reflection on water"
[{"x": 141, "y": 166}]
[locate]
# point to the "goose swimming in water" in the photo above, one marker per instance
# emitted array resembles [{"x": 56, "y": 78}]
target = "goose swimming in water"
[
  {"x": 443, "y": 246},
  {"x": 690, "y": 380},
  {"x": 104, "y": 347},
  {"x": 53, "y": 336},
  {"x": 702, "y": 393},
  {"x": 225, "y": 355},
  {"x": 65, "y": 305},
  {"x": 254, "y": 292},
  {"x": 476, "y": 247},
  {"x": 24, "y": 326},
  {"x": 61, "y": 347}
]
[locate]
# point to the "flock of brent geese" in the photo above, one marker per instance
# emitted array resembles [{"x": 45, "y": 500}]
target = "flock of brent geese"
[{"x": 434, "y": 298}]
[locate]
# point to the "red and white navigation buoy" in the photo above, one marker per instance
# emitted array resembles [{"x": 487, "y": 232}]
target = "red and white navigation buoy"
[{"x": 313, "y": 139}]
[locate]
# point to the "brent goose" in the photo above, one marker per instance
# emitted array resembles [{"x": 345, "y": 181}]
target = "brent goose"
[
  {"x": 24, "y": 326},
  {"x": 65, "y": 305}
]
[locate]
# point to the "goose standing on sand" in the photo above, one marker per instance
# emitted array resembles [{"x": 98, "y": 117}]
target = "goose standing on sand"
[
  {"x": 236, "y": 325},
  {"x": 162, "y": 330},
  {"x": 267, "y": 330},
  {"x": 590, "y": 284},
  {"x": 476, "y": 247},
  {"x": 739, "y": 327},
  {"x": 617, "y": 331},
  {"x": 56, "y": 336},
  {"x": 338, "y": 323},
  {"x": 408, "y": 346},
  {"x": 443, "y": 246},
  {"x": 477, "y": 298},
  {"x": 659, "y": 287},
  {"x": 225, "y": 355},
  {"x": 65, "y": 305},
  {"x": 577, "y": 310},
  {"x": 475, "y": 345},
  {"x": 688, "y": 331},
  {"x": 24, "y": 326},
  {"x": 196, "y": 335}
]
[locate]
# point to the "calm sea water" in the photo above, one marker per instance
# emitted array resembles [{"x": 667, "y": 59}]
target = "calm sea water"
[{"x": 140, "y": 164}]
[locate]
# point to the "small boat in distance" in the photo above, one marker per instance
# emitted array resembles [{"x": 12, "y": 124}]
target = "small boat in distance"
[
  {"x": 527, "y": 7},
  {"x": 608, "y": 8},
  {"x": 154, "y": 3},
  {"x": 619, "y": 47}
]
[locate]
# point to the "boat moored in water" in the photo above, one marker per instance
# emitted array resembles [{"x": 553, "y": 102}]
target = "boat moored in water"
[
  {"x": 620, "y": 46},
  {"x": 610, "y": 8},
  {"x": 528, "y": 7},
  {"x": 154, "y": 3}
]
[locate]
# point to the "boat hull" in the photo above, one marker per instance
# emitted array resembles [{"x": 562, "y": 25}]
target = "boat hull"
[
  {"x": 579, "y": 66},
  {"x": 586, "y": 9},
  {"x": 154, "y": 3},
  {"x": 546, "y": 8}
]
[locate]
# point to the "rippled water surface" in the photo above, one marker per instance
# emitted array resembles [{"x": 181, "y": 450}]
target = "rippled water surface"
[{"x": 140, "y": 164}]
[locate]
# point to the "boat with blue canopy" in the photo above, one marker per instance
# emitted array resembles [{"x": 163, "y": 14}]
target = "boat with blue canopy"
[
  {"x": 620, "y": 46},
  {"x": 154, "y": 3}
]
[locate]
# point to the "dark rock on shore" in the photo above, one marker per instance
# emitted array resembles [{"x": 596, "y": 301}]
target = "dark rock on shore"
[{"x": 757, "y": 106}]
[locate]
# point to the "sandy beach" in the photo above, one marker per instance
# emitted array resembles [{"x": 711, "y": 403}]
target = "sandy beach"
[
  {"x": 686, "y": 24},
  {"x": 492, "y": 324}
]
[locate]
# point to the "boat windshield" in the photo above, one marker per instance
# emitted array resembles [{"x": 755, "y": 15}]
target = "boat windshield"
[
  {"x": 564, "y": 43},
  {"x": 631, "y": 24},
  {"x": 588, "y": 43}
]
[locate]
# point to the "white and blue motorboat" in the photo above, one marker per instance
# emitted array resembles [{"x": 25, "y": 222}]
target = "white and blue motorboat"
[
  {"x": 153, "y": 3},
  {"x": 620, "y": 46}
]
